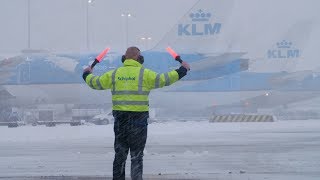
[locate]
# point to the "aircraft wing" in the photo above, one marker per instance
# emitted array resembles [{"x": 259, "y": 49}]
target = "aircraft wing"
[
  {"x": 11, "y": 62},
  {"x": 290, "y": 77},
  {"x": 272, "y": 100},
  {"x": 279, "y": 98},
  {"x": 210, "y": 62}
]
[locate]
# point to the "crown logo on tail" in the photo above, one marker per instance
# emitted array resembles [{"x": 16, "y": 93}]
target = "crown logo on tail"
[
  {"x": 200, "y": 16},
  {"x": 284, "y": 44}
]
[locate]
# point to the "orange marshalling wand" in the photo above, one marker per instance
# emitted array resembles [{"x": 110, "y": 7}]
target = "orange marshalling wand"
[
  {"x": 174, "y": 54},
  {"x": 100, "y": 57}
]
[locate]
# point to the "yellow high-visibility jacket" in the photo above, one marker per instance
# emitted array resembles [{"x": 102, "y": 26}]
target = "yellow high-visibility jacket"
[{"x": 131, "y": 84}]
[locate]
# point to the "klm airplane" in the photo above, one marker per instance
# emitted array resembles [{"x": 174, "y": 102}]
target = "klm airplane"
[
  {"x": 192, "y": 37},
  {"x": 219, "y": 78},
  {"x": 56, "y": 78}
]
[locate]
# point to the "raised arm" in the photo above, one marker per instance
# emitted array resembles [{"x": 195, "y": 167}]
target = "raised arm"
[
  {"x": 155, "y": 80},
  {"x": 97, "y": 82}
]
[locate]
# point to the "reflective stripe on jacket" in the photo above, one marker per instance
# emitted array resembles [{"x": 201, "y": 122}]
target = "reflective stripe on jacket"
[{"x": 131, "y": 84}]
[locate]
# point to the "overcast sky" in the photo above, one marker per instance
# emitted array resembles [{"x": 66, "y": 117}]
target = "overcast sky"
[{"x": 60, "y": 25}]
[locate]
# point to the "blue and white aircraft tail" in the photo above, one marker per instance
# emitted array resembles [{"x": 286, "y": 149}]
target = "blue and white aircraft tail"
[{"x": 200, "y": 29}]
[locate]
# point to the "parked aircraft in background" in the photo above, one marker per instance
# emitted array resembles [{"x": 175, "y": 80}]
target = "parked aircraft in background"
[
  {"x": 275, "y": 81},
  {"x": 51, "y": 78},
  {"x": 222, "y": 80},
  {"x": 201, "y": 24}
]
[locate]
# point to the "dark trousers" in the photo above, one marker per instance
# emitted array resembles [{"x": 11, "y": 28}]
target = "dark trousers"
[{"x": 130, "y": 130}]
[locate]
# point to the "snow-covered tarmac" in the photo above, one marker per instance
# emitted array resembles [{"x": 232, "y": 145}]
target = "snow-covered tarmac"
[{"x": 283, "y": 150}]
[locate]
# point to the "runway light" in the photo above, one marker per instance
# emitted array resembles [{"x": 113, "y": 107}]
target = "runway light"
[{"x": 126, "y": 14}]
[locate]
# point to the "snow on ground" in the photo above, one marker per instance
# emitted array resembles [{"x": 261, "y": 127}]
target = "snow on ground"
[{"x": 182, "y": 150}]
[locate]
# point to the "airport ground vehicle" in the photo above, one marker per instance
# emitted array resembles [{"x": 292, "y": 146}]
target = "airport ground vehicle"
[{"x": 103, "y": 119}]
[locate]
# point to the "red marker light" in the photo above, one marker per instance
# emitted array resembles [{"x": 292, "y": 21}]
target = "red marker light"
[
  {"x": 102, "y": 54},
  {"x": 171, "y": 51}
]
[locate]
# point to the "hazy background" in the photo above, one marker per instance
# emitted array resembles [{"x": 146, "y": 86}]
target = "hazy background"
[{"x": 60, "y": 25}]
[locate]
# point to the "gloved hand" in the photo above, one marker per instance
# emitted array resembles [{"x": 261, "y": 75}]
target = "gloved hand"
[
  {"x": 88, "y": 69},
  {"x": 185, "y": 65}
]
